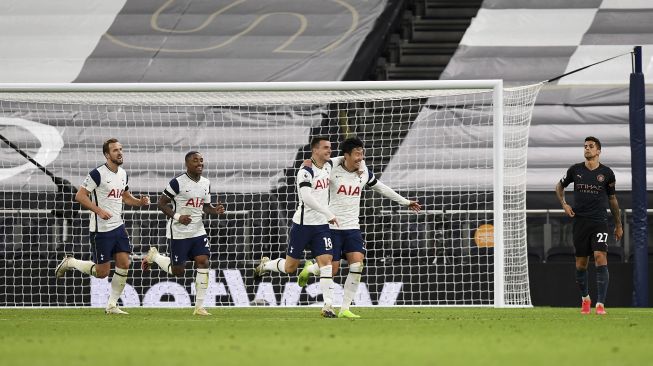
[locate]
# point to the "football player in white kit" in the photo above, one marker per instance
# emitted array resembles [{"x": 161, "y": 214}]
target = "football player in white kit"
[
  {"x": 107, "y": 186},
  {"x": 347, "y": 181},
  {"x": 310, "y": 224},
  {"x": 190, "y": 196}
]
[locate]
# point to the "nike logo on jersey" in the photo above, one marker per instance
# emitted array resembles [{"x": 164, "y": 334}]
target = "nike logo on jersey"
[{"x": 108, "y": 181}]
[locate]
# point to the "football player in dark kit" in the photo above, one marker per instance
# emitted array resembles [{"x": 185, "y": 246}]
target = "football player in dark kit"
[{"x": 593, "y": 183}]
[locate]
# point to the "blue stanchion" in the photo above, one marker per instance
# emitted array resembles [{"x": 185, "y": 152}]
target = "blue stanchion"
[{"x": 638, "y": 169}]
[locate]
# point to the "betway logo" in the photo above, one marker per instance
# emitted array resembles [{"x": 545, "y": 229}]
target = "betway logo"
[{"x": 235, "y": 288}]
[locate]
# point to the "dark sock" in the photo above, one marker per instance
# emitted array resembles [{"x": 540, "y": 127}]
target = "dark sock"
[
  {"x": 581, "y": 281},
  {"x": 602, "y": 280}
]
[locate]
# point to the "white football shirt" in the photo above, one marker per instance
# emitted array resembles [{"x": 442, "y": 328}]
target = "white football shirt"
[
  {"x": 345, "y": 195},
  {"x": 318, "y": 180},
  {"x": 188, "y": 198},
  {"x": 106, "y": 189}
]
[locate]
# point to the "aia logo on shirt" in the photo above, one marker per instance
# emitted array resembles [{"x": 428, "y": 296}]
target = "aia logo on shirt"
[
  {"x": 600, "y": 178},
  {"x": 322, "y": 183},
  {"x": 195, "y": 202},
  {"x": 115, "y": 193},
  {"x": 348, "y": 191}
]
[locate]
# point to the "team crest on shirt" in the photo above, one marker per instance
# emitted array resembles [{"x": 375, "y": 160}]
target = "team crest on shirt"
[{"x": 600, "y": 178}]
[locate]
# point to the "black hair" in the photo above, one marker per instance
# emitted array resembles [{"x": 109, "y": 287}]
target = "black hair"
[
  {"x": 595, "y": 140},
  {"x": 350, "y": 144},
  {"x": 189, "y": 154},
  {"x": 315, "y": 141}
]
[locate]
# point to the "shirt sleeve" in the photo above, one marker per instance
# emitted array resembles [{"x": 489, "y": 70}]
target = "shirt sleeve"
[
  {"x": 568, "y": 178},
  {"x": 389, "y": 193},
  {"x": 92, "y": 180},
  {"x": 338, "y": 160},
  {"x": 311, "y": 202},
  {"x": 611, "y": 183},
  {"x": 172, "y": 189},
  {"x": 304, "y": 177},
  {"x": 371, "y": 179}
]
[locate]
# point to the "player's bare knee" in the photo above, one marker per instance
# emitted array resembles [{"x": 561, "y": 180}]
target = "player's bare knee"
[
  {"x": 581, "y": 263},
  {"x": 600, "y": 258},
  {"x": 123, "y": 265},
  {"x": 335, "y": 267},
  {"x": 202, "y": 262},
  {"x": 101, "y": 273},
  {"x": 581, "y": 266},
  {"x": 178, "y": 270},
  {"x": 324, "y": 260}
]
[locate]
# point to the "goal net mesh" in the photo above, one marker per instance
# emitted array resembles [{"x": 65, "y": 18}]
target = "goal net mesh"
[{"x": 433, "y": 146}]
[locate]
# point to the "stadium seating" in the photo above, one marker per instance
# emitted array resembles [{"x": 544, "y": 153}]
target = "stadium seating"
[{"x": 426, "y": 39}]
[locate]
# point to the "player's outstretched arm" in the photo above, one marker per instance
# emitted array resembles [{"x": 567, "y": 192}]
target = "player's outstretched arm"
[
  {"x": 129, "y": 199},
  {"x": 82, "y": 197},
  {"x": 415, "y": 206},
  {"x": 616, "y": 214},
  {"x": 391, "y": 194}
]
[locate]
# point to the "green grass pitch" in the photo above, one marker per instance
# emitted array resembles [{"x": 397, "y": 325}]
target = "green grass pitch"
[{"x": 283, "y": 336}]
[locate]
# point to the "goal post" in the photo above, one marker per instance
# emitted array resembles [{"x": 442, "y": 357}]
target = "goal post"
[{"x": 458, "y": 147}]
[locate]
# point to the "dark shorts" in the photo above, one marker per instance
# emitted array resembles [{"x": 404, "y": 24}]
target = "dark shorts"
[
  {"x": 590, "y": 236},
  {"x": 105, "y": 245},
  {"x": 317, "y": 238},
  {"x": 347, "y": 241},
  {"x": 181, "y": 250}
]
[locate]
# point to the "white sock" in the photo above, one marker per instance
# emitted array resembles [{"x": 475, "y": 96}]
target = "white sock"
[
  {"x": 87, "y": 267},
  {"x": 164, "y": 263},
  {"x": 585, "y": 297},
  {"x": 326, "y": 284},
  {"x": 118, "y": 282},
  {"x": 276, "y": 265},
  {"x": 351, "y": 284},
  {"x": 314, "y": 269},
  {"x": 201, "y": 284}
]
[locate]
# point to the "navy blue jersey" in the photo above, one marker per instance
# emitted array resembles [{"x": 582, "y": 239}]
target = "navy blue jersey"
[{"x": 591, "y": 190}]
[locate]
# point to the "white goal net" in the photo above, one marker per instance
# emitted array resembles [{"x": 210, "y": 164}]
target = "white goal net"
[{"x": 435, "y": 142}]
